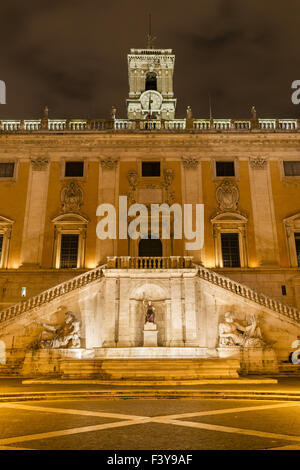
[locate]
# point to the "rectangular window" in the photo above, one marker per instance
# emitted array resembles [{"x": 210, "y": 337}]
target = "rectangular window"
[
  {"x": 1, "y": 246},
  {"x": 291, "y": 168},
  {"x": 230, "y": 250},
  {"x": 74, "y": 169},
  {"x": 7, "y": 170},
  {"x": 297, "y": 241},
  {"x": 225, "y": 169},
  {"x": 69, "y": 250},
  {"x": 150, "y": 168}
]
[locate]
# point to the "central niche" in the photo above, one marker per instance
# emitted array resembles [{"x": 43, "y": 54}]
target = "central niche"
[
  {"x": 137, "y": 311},
  {"x": 150, "y": 247}
]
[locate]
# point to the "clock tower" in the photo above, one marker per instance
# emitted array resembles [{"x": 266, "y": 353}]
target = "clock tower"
[{"x": 150, "y": 73}]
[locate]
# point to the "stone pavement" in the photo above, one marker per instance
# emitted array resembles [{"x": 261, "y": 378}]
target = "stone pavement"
[{"x": 92, "y": 423}]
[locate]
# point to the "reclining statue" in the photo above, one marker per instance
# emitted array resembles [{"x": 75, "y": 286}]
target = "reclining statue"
[
  {"x": 232, "y": 333},
  {"x": 66, "y": 335}
]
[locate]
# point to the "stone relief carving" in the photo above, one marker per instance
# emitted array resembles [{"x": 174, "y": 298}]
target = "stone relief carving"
[
  {"x": 190, "y": 162},
  {"x": 71, "y": 197},
  {"x": 227, "y": 195},
  {"x": 168, "y": 180},
  {"x": 258, "y": 163},
  {"x": 168, "y": 177},
  {"x": 39, "y": 164},
  {"x": 66, "y": 335},
  {"x": 232, "y": 333},
  {"x": 109, "y": 163},
  {"x": 132, "y": 177}
]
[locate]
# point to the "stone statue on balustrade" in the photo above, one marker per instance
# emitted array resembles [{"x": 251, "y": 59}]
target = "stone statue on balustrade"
[
  {"x": 232, "y": 333},
  {"x": 66, "y": 335}
]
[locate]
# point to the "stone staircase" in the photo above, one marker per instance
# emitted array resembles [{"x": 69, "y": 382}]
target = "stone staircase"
[
  {"x": 174, "y": 262},
  {"x": 11, "y": 369},
  {"x": 149, "y": 369},
  {"x": 287, "y": 369}
]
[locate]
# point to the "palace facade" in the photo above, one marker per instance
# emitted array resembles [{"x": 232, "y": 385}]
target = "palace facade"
[{"x": 54, "y": 173}]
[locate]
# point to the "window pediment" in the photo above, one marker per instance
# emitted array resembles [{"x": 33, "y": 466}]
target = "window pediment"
[
  {"x": 229, "y": 217},
  {"x": 293, "y": 221},
  {"x": 5, "y": 222},
  {"x": 70, "y": 218}
]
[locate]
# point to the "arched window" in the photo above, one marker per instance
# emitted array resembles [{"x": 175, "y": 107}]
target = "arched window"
[
  {"x": 151, "y": 81},
  {"x": 150, "y": 247}
]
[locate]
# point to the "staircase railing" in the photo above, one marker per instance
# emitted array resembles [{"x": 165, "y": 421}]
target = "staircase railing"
[
  {"x": 248, "y": 293},
  {"x": 150, "y": 263},
  {"x": 51, "y": 294}
]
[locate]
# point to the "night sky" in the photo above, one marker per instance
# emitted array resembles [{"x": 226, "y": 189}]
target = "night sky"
[{"x": 72, "y": 55}]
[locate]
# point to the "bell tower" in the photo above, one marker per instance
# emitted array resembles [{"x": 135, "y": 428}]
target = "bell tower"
[{"x": 150, "y": 75}]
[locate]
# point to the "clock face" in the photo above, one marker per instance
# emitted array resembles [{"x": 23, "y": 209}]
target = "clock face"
[{"x": 151, "y": 100}]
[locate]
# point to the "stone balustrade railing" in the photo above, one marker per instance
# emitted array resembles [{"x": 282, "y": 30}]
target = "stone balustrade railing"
[
  {"x": 51, "y": 294},
  {"x": 150, "y": 262},
  {"x": 153, "y": 262},
  {"x": 137, "y": 125},
  {"x": 248, "y": 293}
]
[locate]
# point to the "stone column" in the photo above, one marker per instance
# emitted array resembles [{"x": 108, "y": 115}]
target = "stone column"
[
  {"x": 263, "y": 212},
  {"x": 190, "y": 311},
  {"x": 176, "y": 333},
  {"x": 35, "y": 212}
]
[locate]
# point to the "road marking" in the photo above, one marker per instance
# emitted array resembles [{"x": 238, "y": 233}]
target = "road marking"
[
  {"x": 72, "y": 411},
  {"x": 133, "y": 419},
  {"x": 230, "y": 410},
  {"x": 68, "y": 432},
  {"x": 227, "y": 429}
]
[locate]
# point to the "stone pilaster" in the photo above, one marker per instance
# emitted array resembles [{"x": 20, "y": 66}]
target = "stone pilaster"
[
  {"x": 176, "y": 333},
  {"x": 126, "y": 327},
  {"x": 107, "y": 193},
  {"x": 191, "y": 177},
  {"x": 190, "y": 311},
  {"x": 263, "y": 213},
  {"x": 109, "y": 313},
  {"x": 90, "y": 322},
  {"x": 34, "y": 222}
]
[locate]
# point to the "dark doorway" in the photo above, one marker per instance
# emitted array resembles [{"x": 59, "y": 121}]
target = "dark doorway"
[{"x": 150, "y": 247}]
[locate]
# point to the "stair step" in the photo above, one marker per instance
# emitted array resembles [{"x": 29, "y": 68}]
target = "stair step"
[{"x": 148, "y": 369}]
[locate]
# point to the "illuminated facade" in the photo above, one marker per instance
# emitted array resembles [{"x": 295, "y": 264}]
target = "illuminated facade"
[{"x": 54, "y": 173}]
